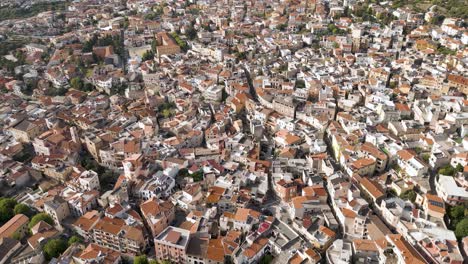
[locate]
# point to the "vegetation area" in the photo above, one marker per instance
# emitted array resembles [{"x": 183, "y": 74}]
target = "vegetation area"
[
  {"x": 448, "y": 8},
  {"x": 144, "y": 260},
  {"x": 409, "y": 195},
  {"x": 74, "y": 239},
  {"x": 182, "y": 43},
  {"x": 114, "y": 41},
  {"x": 19, "y": 12},
  {"x": 148, "y": 55},
  {"x": 196, "y": 176},
  {"x": 78, "y": 84},
  {"x": 5, "y": 48},
  {"x": 107, "y": 178},
  {"x": 448, "y": 170},
  {"x": 54, "y": 248},
  {"x": 445, "y": 51},
  {"x": 266, "y": 259},
  {"x": 458, "y": 216},
  {"x": 23, "y": 209},
  {"x": 40, "y": 217},
  {"x": 155, "y": 13},
  {"x": 7, "y": 206},
  {"x": 166, "y": 109}
]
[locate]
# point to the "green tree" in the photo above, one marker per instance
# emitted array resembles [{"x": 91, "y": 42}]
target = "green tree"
[
  {"x": 148, "y": 55},
  {"x": 191, "y": 33},
  {"x": 166, "y": 113},
  {"x": 426, "y": 157},
  {"x": 456, "y": 214},
  {"x": 77, "y": 83},
  {"x": 22, "y": 209},
  {"x": 409, "y": 195},
  {"x": 461, "y": 230},
  {"x": 281, "y": 27},
  {"x": 140, "y": 260},
  {"x": 16, "y": 235},
  {"x": 41, "y": 217},
  {"x": 6, "y": 209},
  {"x": 266, "y": 259},
  {"x": 447, "y": 170},
  {"x": 74, "y": 239},
  {"x": 54, "y": 248}
]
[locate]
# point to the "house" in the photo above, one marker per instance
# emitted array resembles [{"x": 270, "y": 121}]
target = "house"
[
  {"x": 41, "y": 232},
  {"x": 15, "y": 228},
  {"x": 411, "y": 164},
  {"x": 367, "y": 250},
  {"x": 323, "y": 237},
  {"x": 253, "y": 252},
  {"x": 363, "y": 167},
  {"x": 372, "y": 188},
  {"x": 242, "y": 220},
  {"x": 287, "y": 189},
  {"x": 434, "y": 206}
]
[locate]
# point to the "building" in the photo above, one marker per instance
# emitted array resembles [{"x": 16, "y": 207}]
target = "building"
[
  {"x": 167, "y": 45},
  {"x": 459, "y": 82},
  {"x": 404, "y": 251},
  {"x": 172, "y": 244},
  {"x": 448, "y": 189},
  {"x": 27, "y": 130},
  {"x": 58, "y": 209},
  {"x": 8, "y": 247},
  {"x": 434, "y": 206},
  {"x": 285, "y": 107},
  {"x": 116, "y": 234},
  {"x": 96, "y": 254},
  {"x": 83, "y": 225},
  {"x": 286, "y": 190},
  {"x": 411, "y": 164},
  {"x": 16, "y": 227},
  {"x": 214, "y": 93},
  {"x": 158, "y": 214}
]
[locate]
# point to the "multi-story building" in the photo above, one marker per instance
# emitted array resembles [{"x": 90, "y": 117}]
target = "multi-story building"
[
  {"x": 285, "y": 107},
  {"x": 158, "y": 214},
  {"x": 114, "y": 233},
  {"x": 58, "y": 209},
  {"x": 172, "y": 244},
  {"x": 448, "y": 189},
  {"x": 286, "y": 190},
  {"x": 27, "y": 130}
]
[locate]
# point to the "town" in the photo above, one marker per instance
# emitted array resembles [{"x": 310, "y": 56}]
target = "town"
[{"x": 229, "y": 131}]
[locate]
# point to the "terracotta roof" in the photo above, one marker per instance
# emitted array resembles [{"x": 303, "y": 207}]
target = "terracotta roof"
[
  {"x": 435, "y": 203},
  {"x": 10, "y": 227},
  {"x": 409, "y": 253},
  {"x": 256, "y": 246},
  {"x": 372, "y": 187},
  {"x": 405, "y": 154},
  {"x": 364, "y": 245},
  {"x": 327, "y": 231},
  {"x": 348, "y": 213}
]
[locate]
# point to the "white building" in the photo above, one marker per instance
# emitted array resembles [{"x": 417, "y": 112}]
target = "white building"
[{"x": 448, "y": 189}]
